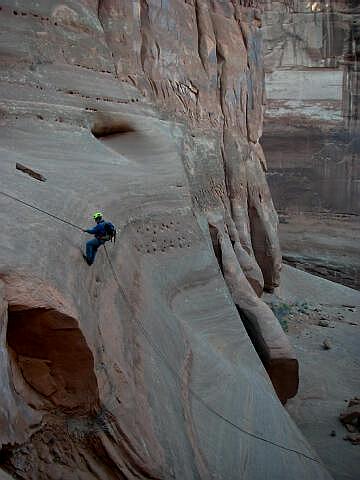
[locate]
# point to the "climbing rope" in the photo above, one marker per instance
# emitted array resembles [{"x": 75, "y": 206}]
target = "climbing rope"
[
  {"x": 158, "y": 350},
  {"x": 191, "y": 391},
  {"x": 40, "y": 210}
]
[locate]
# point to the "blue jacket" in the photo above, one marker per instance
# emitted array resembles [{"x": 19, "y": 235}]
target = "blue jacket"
[{"x": 99, "y": 230}]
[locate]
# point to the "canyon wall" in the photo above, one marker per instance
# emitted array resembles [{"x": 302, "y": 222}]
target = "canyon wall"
[
  {"x": 311, "y": 134},
  {"x": 161, "y": 360}
]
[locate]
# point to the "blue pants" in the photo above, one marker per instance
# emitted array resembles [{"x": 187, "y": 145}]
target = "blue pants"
[{"x": 91, "y": 249}]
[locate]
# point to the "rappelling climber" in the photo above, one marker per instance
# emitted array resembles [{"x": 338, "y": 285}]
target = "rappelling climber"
[{"x": 103, "y": 231}]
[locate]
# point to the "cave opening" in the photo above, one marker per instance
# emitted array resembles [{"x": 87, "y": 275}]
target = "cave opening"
[
  {"x": 49, "y": 351},
  {"x": 108, "y": 127}
]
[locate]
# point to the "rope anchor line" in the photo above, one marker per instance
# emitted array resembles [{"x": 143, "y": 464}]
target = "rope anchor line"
[
  {"x": 42, "y": 211},
  {"x": 158, "y": 350}
]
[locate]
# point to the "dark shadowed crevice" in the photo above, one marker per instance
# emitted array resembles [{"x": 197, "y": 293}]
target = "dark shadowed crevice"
[
  {"x": 106, "y": 127},
  {"x": 262, "y": 327},
  {"x": 216, "y": 246},
  {"x": 30, "y": 172},
  {"x": 114, "y": 133},
  {"x": 253, "y": 335},
  {"x": 249, "y": 330},
  {"x": 51, "y": 353}
]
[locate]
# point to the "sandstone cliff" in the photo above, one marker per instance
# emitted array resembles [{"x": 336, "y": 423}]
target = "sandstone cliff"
[
  {"x": 141, "y": 366},
  {"x": 311, "y": 132},
  {"x": 311, "y": 54}
]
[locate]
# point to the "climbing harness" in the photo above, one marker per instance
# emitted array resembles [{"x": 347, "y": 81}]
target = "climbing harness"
[{"x": 158, "y": 350}]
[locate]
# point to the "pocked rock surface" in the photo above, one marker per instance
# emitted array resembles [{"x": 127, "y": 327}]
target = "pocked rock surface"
[{"x": 140, "y": 366}]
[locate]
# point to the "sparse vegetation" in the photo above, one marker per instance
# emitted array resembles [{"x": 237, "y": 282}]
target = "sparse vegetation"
[{"x": 281, "y": 312}]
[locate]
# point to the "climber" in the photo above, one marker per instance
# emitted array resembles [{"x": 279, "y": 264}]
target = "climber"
[{"x": 103, "y": 232}]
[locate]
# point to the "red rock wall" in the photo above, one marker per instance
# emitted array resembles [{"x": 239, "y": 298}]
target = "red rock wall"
[
  {"x": 179, "y": 390},
  {"x": 201, "y": 62},
  {"x": 311, "y": 52}
]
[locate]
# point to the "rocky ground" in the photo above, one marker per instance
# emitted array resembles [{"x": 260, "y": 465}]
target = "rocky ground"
[
  {"x": 325, "y": 244},
  {"x": 149, "y": 364},
  {"x": 323, "y": 322}
]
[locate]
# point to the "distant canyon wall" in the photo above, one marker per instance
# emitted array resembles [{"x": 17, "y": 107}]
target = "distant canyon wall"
[{"x": 311, "y": 131}]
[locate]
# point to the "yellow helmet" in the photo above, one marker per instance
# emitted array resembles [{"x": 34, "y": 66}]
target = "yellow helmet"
[{"x": 97, "y": 215}]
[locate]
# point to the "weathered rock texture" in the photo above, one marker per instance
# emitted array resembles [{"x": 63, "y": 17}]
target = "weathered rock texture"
[
  {"x": 324, "y": 244},
  {"x": 201, "y": 62},
  {"x": 311, "y": 134},
  {"x": 351, "y": 419},
  {"x": 142, "y": 367},
  {"x": 311, "y": 130}
]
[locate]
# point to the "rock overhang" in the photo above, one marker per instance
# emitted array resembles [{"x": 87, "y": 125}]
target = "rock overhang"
[{"x": 173, "y": 177}]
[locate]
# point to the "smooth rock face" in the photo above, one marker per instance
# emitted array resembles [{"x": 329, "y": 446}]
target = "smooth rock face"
[{"x": 140, "y": 366}]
